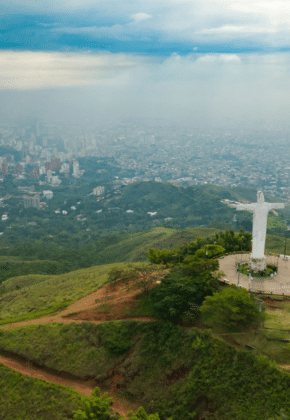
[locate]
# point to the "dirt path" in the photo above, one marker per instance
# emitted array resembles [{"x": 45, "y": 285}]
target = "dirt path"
[
  {"x": 85, "y": 309},
  {"x": 81, "y": 386}
]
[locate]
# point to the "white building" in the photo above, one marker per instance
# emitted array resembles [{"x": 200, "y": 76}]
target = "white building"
[
  {"x": 98, "y": 190},
  {"x": 64, "y": 168},
  {"x": 42, "y": 170},
  {"x": 76, "y": 169},
  {"x": 55, "y": 180},
  {"x": 49, "y": 176},
  {"x": 48, "y": 194}
]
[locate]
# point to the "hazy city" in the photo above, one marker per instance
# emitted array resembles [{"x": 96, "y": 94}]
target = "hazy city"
[{"x": 144, "y": 210}]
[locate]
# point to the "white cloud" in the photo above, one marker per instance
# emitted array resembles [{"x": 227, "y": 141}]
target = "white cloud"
[
  {"x": 201, "y": 89},
  {"x": 266, "y": 21},
  {"x": 213, "y": 58},
  {"x": 37, "y": 70},
  {"x": 141, "y": 16}
]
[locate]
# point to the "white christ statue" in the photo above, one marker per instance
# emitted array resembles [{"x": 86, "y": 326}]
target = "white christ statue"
[{"x": 260, "y": 210}]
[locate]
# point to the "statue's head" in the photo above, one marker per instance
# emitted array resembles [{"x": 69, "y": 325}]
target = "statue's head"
[{"x": 260, "y": 197}]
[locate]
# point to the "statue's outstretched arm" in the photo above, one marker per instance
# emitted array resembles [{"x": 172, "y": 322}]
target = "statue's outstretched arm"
[
  {"x": 273, "y": 206},
  {"x": 249, "y": 207}
]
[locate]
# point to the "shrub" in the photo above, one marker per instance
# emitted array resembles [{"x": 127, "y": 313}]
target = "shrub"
[
  {"x": 99, "y": 408},
  {"x": 95, "y": 407},
  {"x": 232, "y": 308}
]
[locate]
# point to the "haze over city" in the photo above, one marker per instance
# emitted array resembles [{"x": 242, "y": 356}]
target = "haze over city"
[{"x": 215, "y": 63}]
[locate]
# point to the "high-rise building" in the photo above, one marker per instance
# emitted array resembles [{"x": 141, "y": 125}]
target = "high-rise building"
[
  {"x": 49, "y": 176},
  {"x": 34, "y": 174},
  {"x": 31, "y": 201},
  {"x": 35, "y": 202},
  {"x": 76, "y": 169},
  {"x": 55, "y": 164}
]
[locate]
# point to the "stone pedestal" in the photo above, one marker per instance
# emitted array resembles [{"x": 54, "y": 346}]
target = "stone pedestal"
[{"x": 257, "y": 264}]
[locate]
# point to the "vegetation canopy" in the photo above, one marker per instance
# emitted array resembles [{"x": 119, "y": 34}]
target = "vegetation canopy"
[{"x": 233, "y": 308}]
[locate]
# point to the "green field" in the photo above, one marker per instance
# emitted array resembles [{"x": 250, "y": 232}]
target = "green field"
[{"x": 43, "y": 295}]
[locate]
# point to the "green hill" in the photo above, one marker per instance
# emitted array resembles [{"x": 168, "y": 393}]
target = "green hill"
[
  {"x": 126, "y": 247},
  {"x": 37, "y": 295},
  {"x": 168, "y": 370}
]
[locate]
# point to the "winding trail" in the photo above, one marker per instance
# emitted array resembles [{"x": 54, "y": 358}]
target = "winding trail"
[{"x": 84, "y": 309}]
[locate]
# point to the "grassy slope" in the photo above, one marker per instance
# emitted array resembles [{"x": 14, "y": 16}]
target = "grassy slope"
[
  {"x": 22, "y": 398},
  {"x": 49, "y": 294},
  {"x": 171, "y": 371},
  {"x": 135, "y": 245},
  {"x": 40, "y": 295}
]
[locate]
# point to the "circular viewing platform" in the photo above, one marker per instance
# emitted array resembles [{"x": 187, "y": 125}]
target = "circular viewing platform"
[{"x": 278, "y": 284}]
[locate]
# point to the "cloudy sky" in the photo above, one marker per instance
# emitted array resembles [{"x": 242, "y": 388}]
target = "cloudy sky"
[{"x": 188, "y": 60}]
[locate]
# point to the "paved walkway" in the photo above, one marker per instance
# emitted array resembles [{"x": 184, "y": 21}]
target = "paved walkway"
[{"x": 277, "y": 284}]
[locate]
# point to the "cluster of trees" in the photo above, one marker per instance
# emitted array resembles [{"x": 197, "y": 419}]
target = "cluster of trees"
[
  {"x": 190, "y": 286},
  {"x": 99, "y": 408},
  {"x": 194, "y": 283},
  {"x": 206, "y": 248}
]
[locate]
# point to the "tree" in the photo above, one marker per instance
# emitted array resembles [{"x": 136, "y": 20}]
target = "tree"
[
  {"x": 210, "y": 251},
  {"x": 99, "y": 408},
  {"x": 95, "y": 407},
  {"x": 165, "y": 256},
  {"x": 232, "y": 309},
  {"x": 141, "y": 415},
  {"x": 180, "y": 289},
  {"x": 145, "y": 275}
]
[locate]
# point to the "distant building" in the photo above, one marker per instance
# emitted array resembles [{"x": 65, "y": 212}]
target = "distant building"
[
  {"x": 76, "y": 169},
  {"x": 34, "y": 174},
  {"x": 55, "y": 180},
  {"x": 113, "y": 209},
  {"x": 55, "y": 164},
  {"x": 98, "y": 190},
  {"x": 5, "y": 168},
  {"x": 42, "y": 170},
  {"x": 32, "y": 201},
  {"x": 19, "y": 167},
  {"x": 49, "y": 176},
  {"x": 64, "y": 168},
  {"x": 48, "y": 194}
]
